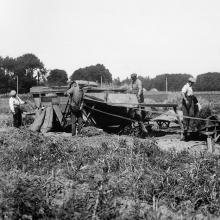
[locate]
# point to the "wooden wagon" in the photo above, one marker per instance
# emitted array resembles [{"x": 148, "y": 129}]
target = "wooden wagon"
[{"x": 108, "y": 109}]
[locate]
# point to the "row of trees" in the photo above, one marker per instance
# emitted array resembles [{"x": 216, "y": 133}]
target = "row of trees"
[
  {"x": 28, "y": 68},
  {"x": 30, "y": 71},
  {"x": 174, "y": 82}
]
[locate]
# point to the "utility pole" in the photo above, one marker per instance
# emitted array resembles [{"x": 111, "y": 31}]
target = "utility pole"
[
  {"x": 17, "y": 84},
  {"x": 166, "y": 85},
  {"x": 38, "y": 78},
  {"x": 101, "y": 81}
]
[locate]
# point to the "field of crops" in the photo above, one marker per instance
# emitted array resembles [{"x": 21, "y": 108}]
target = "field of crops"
[{"x": 213, "y": 97}]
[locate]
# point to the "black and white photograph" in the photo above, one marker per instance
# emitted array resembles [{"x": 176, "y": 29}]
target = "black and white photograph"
[{"x": 109, "y": 109}]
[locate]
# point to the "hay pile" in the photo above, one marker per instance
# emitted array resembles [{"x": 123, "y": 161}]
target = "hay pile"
[{"x": 103, "y": 177}]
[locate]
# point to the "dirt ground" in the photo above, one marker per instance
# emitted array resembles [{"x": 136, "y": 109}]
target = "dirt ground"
[
  {"x": 166, "y": 140},
  {"x": 173, "y": 141}
]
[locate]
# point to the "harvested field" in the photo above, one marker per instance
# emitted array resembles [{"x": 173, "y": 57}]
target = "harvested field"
[
  {"x": 212, "y": 97},
  {"x": 103, "y": 176}
]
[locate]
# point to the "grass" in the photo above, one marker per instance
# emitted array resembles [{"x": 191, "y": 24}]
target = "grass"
[
  {"x": 4, "y": 103},
  {"x": 103, "y": 177}
]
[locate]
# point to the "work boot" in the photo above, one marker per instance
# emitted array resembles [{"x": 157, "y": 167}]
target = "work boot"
[{"x": 142, "y": 127}]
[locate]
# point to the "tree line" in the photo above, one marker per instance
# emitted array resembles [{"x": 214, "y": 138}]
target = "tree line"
[
  {"x": 174, "y": 82},
  {"x": 30, "y": 71}
]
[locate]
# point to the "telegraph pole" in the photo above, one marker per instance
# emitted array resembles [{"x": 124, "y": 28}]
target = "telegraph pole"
[
  {"x": 166, "y": 85},
  {"x": 101, "y": 81},
  {"x": 17, "y": 84}
]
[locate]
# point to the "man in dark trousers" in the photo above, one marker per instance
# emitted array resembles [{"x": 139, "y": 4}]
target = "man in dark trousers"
[
  {"x": 189, "y": 108},
  {"x": 15, "y": 106},
  {"x": 137, "y": 88},
  {"x": 76, "y": 102}
]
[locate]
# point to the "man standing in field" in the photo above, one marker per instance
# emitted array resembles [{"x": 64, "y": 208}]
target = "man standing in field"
[
  {"x": 15, "y": 106},
  {"x": 137, "y": 88},
  {"x": 189, "y": 107},
  {"x": 76, "y": 102}
]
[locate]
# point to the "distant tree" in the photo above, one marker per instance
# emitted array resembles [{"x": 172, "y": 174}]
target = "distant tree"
[
  {"x": 28, "y": 68},
  {"x": 126, "y": 81},
  {"x": 208, "y": 82},
  {"x": 8, "y": 64},
  {"x": 146, "y": 81},
  {"x": 93, "y": 73},
  {"x": 175, "y": 82},
  {"x": 4, "y": 82},
  {"x": 57, "y": 77},
  {"x": 116, "y": 82}
]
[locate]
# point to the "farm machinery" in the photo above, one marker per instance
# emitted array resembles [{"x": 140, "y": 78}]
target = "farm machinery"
[{"x": 111, "y": 110}]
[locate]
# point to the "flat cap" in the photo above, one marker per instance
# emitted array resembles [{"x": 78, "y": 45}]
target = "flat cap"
[
  {"x": 13, "y": 93},
  {"x": 191, "y": 79}
]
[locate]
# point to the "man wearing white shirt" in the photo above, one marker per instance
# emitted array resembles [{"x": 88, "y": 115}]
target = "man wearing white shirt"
[
  {"x": 188, "y": 106},
  {"x": 137, "y": 88},
  {"x": 14, "y": 104}
]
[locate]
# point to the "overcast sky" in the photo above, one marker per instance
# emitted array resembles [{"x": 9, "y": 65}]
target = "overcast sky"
[{"x": 148, "y": 37}]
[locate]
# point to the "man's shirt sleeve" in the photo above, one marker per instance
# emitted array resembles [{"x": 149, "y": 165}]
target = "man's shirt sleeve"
[
  {"x": 184, "y": 89},
  {"x": 140, "y": 87},
  {"x": 11, "y": 105}
]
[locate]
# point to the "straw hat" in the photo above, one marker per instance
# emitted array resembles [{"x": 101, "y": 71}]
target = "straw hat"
[
  {"x": 13, "y": 93},
  {"x": 191, "y": 79}
]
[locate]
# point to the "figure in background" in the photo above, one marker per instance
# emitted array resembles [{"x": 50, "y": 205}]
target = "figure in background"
[
  {"x": 15, "y": 107},
  {"x": 137, "y": 88},
  {"x": 76, "y": 103},
  {"x": 190, "y": 108}
]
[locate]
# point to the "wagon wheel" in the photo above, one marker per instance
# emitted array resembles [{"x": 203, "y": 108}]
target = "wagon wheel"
[{"x": 163, "y": 123}]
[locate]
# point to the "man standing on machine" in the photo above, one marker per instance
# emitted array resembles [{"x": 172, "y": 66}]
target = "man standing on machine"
[
  {"x": 137, "y": 88},
  {"x": 76, "y": 103}
]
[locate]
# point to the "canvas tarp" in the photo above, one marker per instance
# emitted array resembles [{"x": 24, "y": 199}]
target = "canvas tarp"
[{"x": 45, "y": 117}]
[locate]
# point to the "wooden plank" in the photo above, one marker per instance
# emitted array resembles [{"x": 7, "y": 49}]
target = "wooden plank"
[
  {"x": 39, "y": 119},
  {"x": 47, "y": 124},
  {"x": 168, "y": 105},
  {"x": 58, "y": 113}
]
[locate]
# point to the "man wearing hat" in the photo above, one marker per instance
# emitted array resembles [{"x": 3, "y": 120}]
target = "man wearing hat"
[
  {"x": 76, "y": 102},
  {"x": 15, "y": 106},
  {"x": 137, "y": 88},
  {"x": 189, "y": 103}
]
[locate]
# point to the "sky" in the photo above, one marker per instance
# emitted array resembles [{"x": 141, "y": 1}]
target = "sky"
[{"x": 148, "y": 37}]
